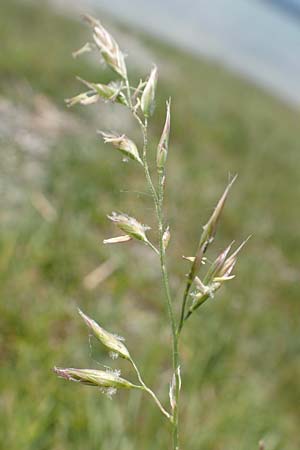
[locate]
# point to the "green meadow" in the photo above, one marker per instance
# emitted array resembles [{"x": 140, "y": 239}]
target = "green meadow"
[{"x": 240, "y": 352}]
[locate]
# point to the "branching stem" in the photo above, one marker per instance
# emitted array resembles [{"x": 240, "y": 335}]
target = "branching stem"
[
  {"x": 128, "y": 92},
  {"x": 150, "y": 392},
  {"x": 153, "y": 247},
  {"x": 158, "y": 202},
  {"x": 165, "y": 278}
]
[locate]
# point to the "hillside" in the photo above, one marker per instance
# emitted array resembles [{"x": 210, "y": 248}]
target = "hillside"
[{"x": 241, "y": 363}]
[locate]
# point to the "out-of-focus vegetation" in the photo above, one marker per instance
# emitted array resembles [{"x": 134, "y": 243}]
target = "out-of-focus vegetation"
[{"x": 241, "y": 364}]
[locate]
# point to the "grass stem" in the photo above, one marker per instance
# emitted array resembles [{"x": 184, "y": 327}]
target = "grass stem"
[{"x": 150, "y": 392}]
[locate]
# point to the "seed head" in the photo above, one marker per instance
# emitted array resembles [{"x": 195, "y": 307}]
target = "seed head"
[
  {"x": 111, "y": 342},
  {"x": 122, "y": 143},
  {"x": 108, "y": 47},
  {"x": 162, "y": 149},
  {"x": 130, "y": 226},
  {"x": 148, "y": 95},
  {"x": 97, "y": 378}
]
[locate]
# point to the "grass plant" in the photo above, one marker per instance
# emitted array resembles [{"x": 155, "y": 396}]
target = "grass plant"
[
  {"x": 240, "y": 353},
  {"x": 140, "y": 102}
]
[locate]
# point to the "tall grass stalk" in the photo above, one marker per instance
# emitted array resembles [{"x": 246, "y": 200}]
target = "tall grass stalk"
[{"x": 140, "y": 102}]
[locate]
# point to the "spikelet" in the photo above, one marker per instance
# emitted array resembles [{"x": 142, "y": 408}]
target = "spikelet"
[
  {"x": 85, "y": 99},
  {"x": 166, "y": 238},
  {"x": 218, "y": 273},
  {"x": 122, "y": 143},
  {"x": 110, "y": 341},
  {"x": 117, "y": 239},
  {"x": 97, "y": 378},
  {"x": 111, "y": 92},
  {"x": 231, "y": 260},
  {"x": 210, "y": 228},
  {"x": 162, "y": 149},
  {"x": 172, "y": 390},
  {"x": 217, "y": 265},
  {"x": 148, "y": 95},
  {"x": 130, "y": 226},
  {"x": 108, "y": 47}
]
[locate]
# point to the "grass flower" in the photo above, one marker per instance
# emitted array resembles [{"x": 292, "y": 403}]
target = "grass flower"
[
  {"x": 96, "y": 378},
  {"x": 122, "y": 143},
  {"x": 148, "y": 95},
  {"x": 108, "y": 47},
  {"x": 112, "y": 342},
  {"x": 130, "y": 226}
]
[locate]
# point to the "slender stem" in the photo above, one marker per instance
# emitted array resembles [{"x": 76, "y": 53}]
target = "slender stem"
[
  {"x": 153, "y": 247},
  {"x": 201, "y": 249},
  {"x": 145, "y": 162},
  {"x": 182, "y": 315},
  {"x": 158, "y": 202},
  {"x": 190, "y": 311},
  {"x": 165, "y": 278},
  {"x": 150, "y": 392},
  {"x": 128, "y": 93}
]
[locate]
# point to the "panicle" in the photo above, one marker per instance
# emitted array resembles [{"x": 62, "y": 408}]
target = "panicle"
[
  {"x": 122, "y": 143},
  {"x": 108, "y": 47},
  {"x": 148, "y": 95},
  {"x": 109, "y": 340}
]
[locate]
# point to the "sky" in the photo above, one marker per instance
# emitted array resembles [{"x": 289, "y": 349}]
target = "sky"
[{"x": 248, "y": 36}]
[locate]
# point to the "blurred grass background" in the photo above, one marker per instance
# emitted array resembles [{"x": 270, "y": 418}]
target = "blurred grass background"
[{"x": 240, "y": 354}]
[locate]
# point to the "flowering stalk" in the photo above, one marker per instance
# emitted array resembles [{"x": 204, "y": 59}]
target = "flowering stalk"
[
  {"x": 158, "y": 202},
  {"x": 140, "y": 100},
  {"x": 150, "y": 392}
]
